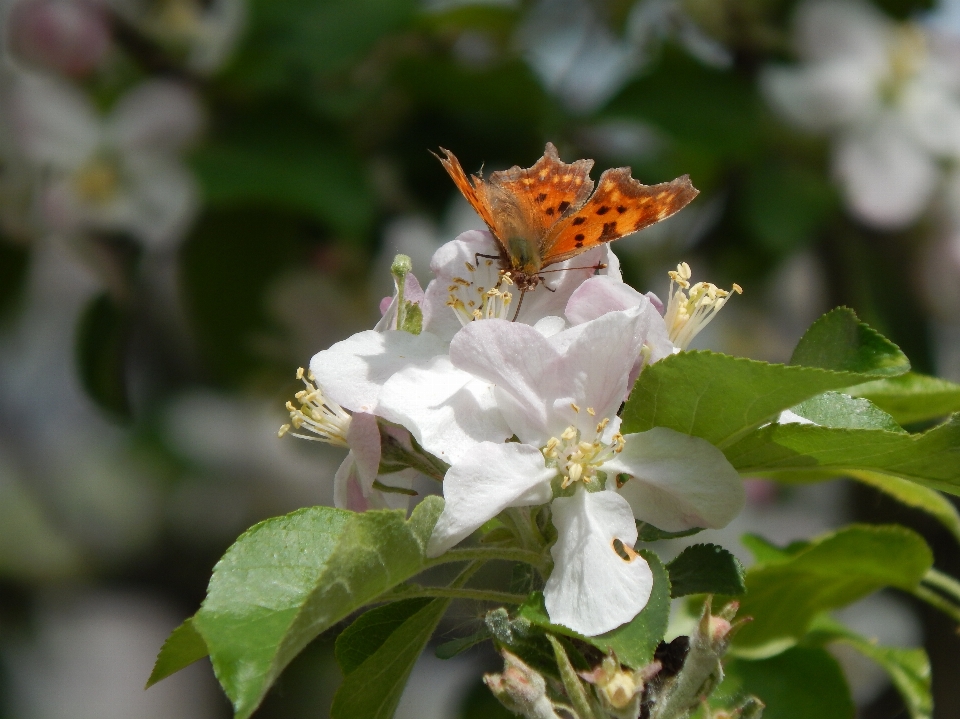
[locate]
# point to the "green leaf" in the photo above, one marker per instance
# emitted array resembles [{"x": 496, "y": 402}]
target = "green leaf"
[
  {"x": 765, "y": 552},
  {"x": 916, "y": 496},
  {"x": 931, "y": 458},
  {"x": 183, "y": 647},
  {"x": 290, "y": 578},
  {"x": 448, "y": 650},
  {"x": 832, "y": 571},
  {"x": 101, "y": 354},
  {"x": 841, "y": 411},
  {"x": 908, "y": 669},
  {"x": 635, "y": 641},
  {"x": 721, "y": 398},
  {"x": 839, "y": 341},
  {"x": 912, "y": 397},
  {"x": 373, "y": 689},
  {"x": 371, "y": 629},
  {"x": 801, "y": 683},
  {"x": 706, "y": 569},
  {"x": 646, "y": 532},
  {"x": 285, "y": 161}
]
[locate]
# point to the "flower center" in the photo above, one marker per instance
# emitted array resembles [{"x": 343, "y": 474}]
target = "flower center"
[
  {"x": 97, "y": 182},
  {"x": 692, "y": 307},
  {"x": 577, "y": 459},
  {"x": 481, "y": 294},
  {"x": 317, "y": 414},
  {"x": 908, "y": 52}
]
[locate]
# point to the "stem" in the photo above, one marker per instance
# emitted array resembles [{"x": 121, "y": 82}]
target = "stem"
[
  {"x": 413, "y": 591},
  {"x": 521, "y": 522},
  {"x": 487, "y": 554},
  {"x": 935, "y": 600},
  {"x": 944, "y": 583}
]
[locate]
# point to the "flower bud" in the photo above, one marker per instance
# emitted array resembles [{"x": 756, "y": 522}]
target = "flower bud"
[
  {"x": 67, "y": 36},
  {"x": 620, "y": 691},
  {"x": 521, "y": 689}
]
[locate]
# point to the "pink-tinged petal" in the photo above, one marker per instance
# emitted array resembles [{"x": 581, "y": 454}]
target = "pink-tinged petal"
[
  {"x": 599, "y": 295},
  {"x": 485, "y": 481},
  {"x": 592, "y": 589},
  {"x": 448, "y": 410},
  {"x": 388, "y": 306},
  {"x": 353, "y": 372},
  {"x": 678, "y": 481},
  {"x": 363, "y": 438},
  {"x": 347, "y": 492}
]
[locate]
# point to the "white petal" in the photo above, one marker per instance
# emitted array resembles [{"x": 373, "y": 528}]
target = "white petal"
[
  {"x": 887, "y": 178},
  {"x": 156, "y": 116},
  {"x": 593, "y": 590},
  {"x": 164, "y": 198},
  {"x": 488, "y": 479},
  {"x": 788, "y": 417},
  {"x": 823, "y": 96},
  {"x": 450, "y": 261},
  {"x": 518, "y": 360},
  {"x": 352, "y": 372},
  {"x": 549, "y": 326},
  {"x": 363, "y": 437},
  {"x": 596, "y": 361},
  {"x": 679, "y": 482},
  {"x": 448, "y": 410},
  {"x": 394, "y": 500},
  {"x": 829, "y": 30},
  {"x": 563, "y": 278},
  {"x": 55, "y": 123}
]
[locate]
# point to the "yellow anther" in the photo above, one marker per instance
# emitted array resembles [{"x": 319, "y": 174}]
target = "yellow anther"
[
  {"x": 299, "y": 372},
  {"x": 591, "y": 411},
  {"x": 574, "y": 407}
]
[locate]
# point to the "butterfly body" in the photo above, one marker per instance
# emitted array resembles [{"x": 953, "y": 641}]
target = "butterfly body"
[{"x": 549, "y": 213}]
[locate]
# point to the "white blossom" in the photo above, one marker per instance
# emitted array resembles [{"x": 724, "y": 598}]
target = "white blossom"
[
  {"x": 119, "y": 173},
  {"x": 887, "y": 93}
]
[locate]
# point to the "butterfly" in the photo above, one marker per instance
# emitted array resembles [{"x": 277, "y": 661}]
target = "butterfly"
[{"x": 549, "y": 213}]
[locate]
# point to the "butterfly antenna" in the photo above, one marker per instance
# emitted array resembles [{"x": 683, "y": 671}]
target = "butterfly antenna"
[{"x": 523, "y": 293}]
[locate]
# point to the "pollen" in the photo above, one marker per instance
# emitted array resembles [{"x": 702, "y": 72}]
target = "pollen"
[
  {"x": 470, "y": 299},
  {"x": 577, "y": 459},
  {"x": 692, "y": 307},
  {"x": 324, "y": 419}
]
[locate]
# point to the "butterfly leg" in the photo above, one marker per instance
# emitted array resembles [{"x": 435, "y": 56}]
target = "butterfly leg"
[{"x": 477, "y": 256}]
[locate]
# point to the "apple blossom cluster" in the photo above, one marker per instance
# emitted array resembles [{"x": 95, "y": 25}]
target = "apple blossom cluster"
[
  {"x": 72, "y": 171},
  {"x": 516, "y": 412},
  {"x": 888, "y": 95}
]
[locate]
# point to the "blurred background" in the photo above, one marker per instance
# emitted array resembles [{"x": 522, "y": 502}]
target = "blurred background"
[{"x": 198, "y": 195}]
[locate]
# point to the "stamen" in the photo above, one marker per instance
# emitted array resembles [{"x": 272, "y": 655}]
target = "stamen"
[
  {"x": 470, "y": 299},
  {"x": 692, "y": 307},
  {"x": 327, "y": 420},
  {"x": 577, "y": 459}
]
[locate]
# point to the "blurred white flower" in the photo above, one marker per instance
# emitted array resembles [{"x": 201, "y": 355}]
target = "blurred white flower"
[
  {"x": 71, "y": 37},
  {"x": 579, "y": 58},
  {"x": 119, "y": 173},
  {"x": 889, "y": 96},
  {"x": 202, "y": 32}
]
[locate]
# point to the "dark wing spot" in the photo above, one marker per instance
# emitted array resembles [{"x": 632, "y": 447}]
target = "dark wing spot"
[
  {"x": 621, "y": 209},
  {"x": 562, "y": 207},
  {"x": 579, "y": 220},
  {"x": 603, "y": 210},
  {"x": 541, "y": 197},
  {"x": 550, "y": 210},
  {"x": 579, "y": 238},
  {"x": 609, "y": 231}
]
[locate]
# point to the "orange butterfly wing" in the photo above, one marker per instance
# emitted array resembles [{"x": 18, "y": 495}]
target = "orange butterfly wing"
[
  {"x": 470, "y": 187},
  {"x": 530, "y": 201},
  {"x": 620, "y": 206}
]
